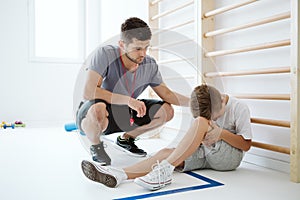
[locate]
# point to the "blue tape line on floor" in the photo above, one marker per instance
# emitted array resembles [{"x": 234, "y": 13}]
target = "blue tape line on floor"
[{"x": 211, "y": 183}]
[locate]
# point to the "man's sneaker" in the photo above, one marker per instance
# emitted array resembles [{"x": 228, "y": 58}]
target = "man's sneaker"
[
  {"x": 99, "y": 155},
  {"x": 108, "y": 176},
  {"x": 129, "y": 146},
  {"x": 159, "y": 177}
]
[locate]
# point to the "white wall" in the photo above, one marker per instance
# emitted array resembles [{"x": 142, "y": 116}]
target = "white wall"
[
  {"x": 42, "y": 93},
  {"x": 115, "y": 12}
]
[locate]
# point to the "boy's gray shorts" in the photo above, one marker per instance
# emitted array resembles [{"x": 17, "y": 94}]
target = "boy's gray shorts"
[{"x": 221, "y": 156}]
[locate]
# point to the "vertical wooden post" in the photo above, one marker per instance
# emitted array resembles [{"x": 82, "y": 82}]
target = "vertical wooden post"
[
  {"x": 154, "y": 25},
  {"x": 295, "y": 92},
  {"x": 204, "y": 24},
  {"x": 153, "y": 9}
]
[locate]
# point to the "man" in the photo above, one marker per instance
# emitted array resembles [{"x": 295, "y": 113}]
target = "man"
[{"x": 117, "y": 75}]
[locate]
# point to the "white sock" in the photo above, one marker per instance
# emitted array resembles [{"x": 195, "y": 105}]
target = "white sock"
[
  {"x": 119, "y": 173},
  {"x": 167, "y": 163}
]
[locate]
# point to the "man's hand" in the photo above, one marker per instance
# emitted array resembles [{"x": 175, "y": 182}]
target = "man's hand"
[
  {"x": 138, "y": 106},
  {"x": 213, "y": 134}
]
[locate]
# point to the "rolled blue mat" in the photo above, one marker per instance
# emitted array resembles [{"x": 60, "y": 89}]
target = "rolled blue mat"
[{"x": 70, "y": 127}]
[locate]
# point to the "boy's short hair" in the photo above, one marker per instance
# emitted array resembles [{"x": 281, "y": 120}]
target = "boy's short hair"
[
  {"x": 205, "y": 100},
  {"x": 135, "y": 28}
]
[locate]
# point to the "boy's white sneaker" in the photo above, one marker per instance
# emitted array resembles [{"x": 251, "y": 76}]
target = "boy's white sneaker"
[
  {"x": 159, "y": 177},
  {"x": 108, "y": 176}
]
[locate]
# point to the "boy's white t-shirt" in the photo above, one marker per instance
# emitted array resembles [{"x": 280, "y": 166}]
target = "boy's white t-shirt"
[{"x": 236, "y": 118}]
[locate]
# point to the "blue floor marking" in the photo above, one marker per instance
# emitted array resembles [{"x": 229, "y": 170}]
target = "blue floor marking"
[{"x": 211, "y": 183}]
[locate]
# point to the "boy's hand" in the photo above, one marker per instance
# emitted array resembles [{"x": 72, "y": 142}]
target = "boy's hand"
[{"x": 212, "y": 135}]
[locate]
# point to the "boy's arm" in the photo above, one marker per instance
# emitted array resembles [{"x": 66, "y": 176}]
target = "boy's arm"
[
  {"x": 234, "y": 140},
  {"x": 216, "y": 133}
]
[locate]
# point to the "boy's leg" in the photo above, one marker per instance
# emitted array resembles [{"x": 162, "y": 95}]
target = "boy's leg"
[
  {"x": 145, "y": 166},
  {"x": 187, "y": 146},
  {"x": 190, "y": 142},
  {"x": 161, "y": 174},
  {"x": 224, "y": 157},
  {"x": 108, "y": 176},
  {"x": 196, "y": 161},
  {"x": 112, "y": 177}
]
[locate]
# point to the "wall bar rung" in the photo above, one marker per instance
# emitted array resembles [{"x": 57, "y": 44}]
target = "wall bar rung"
[
  {"x": 271, "y": 122},
  {"x": 271, "y": 147},
  {"x": 250, "y": 72},
  {"x": 249, "y": 48},
  {"x": 174, "y": 27},
  {"x": 171, "y": 44},
  {"x": 174, "y": 60},
  {"x": 155, "y": 2},
  {"x": 179, "y": 78},
  {"x": 172, "y": 11},
  {"x": 285, "y": 97},
  {"x": 274, "y": 18},
  {"x": 227, "y": 8}
]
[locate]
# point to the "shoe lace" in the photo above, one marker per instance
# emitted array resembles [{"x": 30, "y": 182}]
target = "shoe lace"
[
  {"x": 160, "y": 172},
  {"x": 101, "y": 147}
]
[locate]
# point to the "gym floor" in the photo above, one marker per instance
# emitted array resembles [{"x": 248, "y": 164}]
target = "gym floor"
[{"x": 44, "y": 163}]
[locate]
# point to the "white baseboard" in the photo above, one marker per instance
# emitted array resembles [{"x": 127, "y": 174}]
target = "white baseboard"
[{"x": 266, "y": 162}]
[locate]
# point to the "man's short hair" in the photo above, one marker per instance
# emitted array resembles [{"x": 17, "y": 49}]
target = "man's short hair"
[{"x": 135, "y": 28}]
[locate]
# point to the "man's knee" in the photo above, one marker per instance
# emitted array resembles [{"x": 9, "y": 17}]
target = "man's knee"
[
  {"x": 169, "y": 110},
  {"x": 99, "y": 114}
]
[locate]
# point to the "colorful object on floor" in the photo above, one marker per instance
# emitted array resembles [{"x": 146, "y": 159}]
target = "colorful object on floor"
[
  {"x": 70, "y": 127},
  {"x": 12, "y": 125},
  {"x": 7, "y": 125},
  {"x": 19, "y": 124}
]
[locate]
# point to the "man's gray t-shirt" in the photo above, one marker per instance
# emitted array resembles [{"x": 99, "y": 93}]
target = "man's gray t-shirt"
[{"x": 106, "y": 61}]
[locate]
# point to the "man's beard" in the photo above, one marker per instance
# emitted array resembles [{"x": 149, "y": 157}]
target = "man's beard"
[{"x": 131, "y": 59}]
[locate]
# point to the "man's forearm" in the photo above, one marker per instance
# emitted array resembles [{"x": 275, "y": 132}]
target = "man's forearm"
[
  {"x": 178, "y": 99},
  {"x": 109, "y": 97}
]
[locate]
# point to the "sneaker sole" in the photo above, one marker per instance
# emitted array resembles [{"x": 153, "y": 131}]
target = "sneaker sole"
[
  {"x": 92, "y": 173},
  {"x": 116, "y": 146},
  {"x": 101, "y": 163},
  {"x": 150, "y": 186}
]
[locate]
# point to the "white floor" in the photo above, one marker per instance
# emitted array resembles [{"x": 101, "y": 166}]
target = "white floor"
[{"x": 42, "y": 164}]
